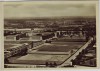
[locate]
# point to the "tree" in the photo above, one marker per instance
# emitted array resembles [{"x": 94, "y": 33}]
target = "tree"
[{"x": 6, "y": 60}]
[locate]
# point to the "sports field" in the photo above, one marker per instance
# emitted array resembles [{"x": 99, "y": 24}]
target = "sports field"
[
  {"x": 56, "y": 51},
  {"x": 36, "y": 59},
  {"x": 61, "y": 47},
  {"x": 70, "y": 39}
]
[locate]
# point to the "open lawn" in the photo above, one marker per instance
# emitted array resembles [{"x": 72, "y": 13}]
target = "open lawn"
[
  {"x": 61, "y": 47},
  {"x": 39, "y": 59}
]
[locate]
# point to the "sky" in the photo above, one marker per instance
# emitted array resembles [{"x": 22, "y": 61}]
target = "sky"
[{"x": 48, "y": 9}]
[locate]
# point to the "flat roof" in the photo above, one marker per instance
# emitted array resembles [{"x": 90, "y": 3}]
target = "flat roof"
[
  {"x": 10, "y": 35},
  {"x": 16, "y": 42},
  {"x": 8, "y": 46},
  {"x": 46, "y": 33}
]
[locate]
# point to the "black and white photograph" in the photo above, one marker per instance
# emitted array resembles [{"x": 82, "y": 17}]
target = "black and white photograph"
[{"x": 50, "y": 34}]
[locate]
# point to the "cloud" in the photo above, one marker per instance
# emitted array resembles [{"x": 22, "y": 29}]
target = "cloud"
[{"x": 21, "y": 10}]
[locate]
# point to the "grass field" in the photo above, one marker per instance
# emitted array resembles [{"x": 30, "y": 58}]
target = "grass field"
[
  {"x": 58, "y": 45},
  {"x": 61, "y": 47},
  {"x": 69, "y": 39},
  {"x": 39, "y": 59}
]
